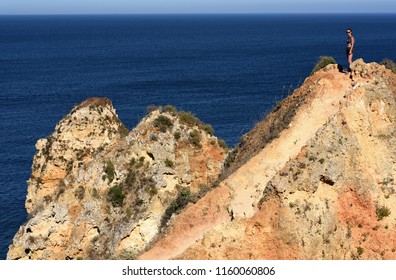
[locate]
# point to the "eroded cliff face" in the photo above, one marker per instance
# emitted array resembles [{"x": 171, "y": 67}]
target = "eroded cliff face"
[
  {"x": 323, "y": 188},
  {"x": 99, "y": 192},
  {"x": 314, "y": 180}
]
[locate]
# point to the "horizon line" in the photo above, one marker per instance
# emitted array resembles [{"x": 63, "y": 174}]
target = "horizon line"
[{"x": 203, "y": 13}]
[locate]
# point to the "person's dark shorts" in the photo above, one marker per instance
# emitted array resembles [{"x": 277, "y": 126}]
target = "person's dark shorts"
[{"x": 348, "y": 50}]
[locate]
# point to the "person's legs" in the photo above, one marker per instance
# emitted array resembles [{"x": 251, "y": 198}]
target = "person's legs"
[
  {"x": 350, "y": 56},
  {"x": 348, "y": 60}
]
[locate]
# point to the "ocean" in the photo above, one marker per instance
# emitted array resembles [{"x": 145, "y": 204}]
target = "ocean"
[{"x": 229, "y": 70}]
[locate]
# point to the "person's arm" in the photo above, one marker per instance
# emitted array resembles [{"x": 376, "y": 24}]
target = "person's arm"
[{"x": 352, "y": 44}]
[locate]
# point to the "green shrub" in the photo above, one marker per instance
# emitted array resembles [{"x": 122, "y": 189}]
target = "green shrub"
[
  {"x": 184, "y": 197},
  {"x": 382, "y": 212},
  {"x": 222, "y": 144},
  {"x": 149, "y": 185},
  {"x": 163, "y": 123},
  {"x": 95, "y": 193},
  {"x": 230, "y": 159},
  {"x": 128, "y": 213},
  {"x": 140, "y": 163},
  {"x": 152, "y": 190},
  {"x": 132, "y": 162},
  {"x": 170, "y": 109},
  {"x": 123, "y": 130},
  {"x": 188, "y": 118},
  {"x": 139, "y": 202},
  {"x": 195, "y": 138},
  {"x": 389, "y": 64},
  {"x": 177, "y": 135},
  {"x": 169, "y": 163},
  {"x": 208, "y": 128},
  {"x": 110, "y": 171},
  {"x": 131, "y": 178},
  {"x": 116, "y": 196},
  {"x": 323, "y": 61},
  {"x": 203, "y": 190}
]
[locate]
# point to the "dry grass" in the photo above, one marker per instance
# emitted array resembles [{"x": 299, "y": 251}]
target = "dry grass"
[{"x": 265, "y": 131}]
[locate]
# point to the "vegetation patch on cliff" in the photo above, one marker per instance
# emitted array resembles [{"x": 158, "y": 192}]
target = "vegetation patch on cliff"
[
  {"x": 184, "y": 197},
  {"x": 389, "y": 64},
  {"x": 116, "y": 196},
  {"x": 188, "y": 119},
  {"x": 323, "y": 61}
]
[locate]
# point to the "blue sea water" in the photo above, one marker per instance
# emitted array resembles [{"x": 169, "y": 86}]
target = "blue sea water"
[{"x": 229, "y": 70}]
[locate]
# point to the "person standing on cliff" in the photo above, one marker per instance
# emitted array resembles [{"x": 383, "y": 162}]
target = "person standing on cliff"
[{"x": 350, "y": 47}]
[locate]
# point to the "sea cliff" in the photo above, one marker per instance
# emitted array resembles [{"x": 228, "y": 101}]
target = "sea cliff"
[{"x": 313, "y": 180}]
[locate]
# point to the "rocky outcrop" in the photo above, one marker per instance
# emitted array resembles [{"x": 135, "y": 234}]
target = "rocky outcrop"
[
  {"x": 314, "y": 180},
  {"x": 86, "y": 130},
  {"x": 323, "y": 188},
  {"x": 99, "y": 192}
]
